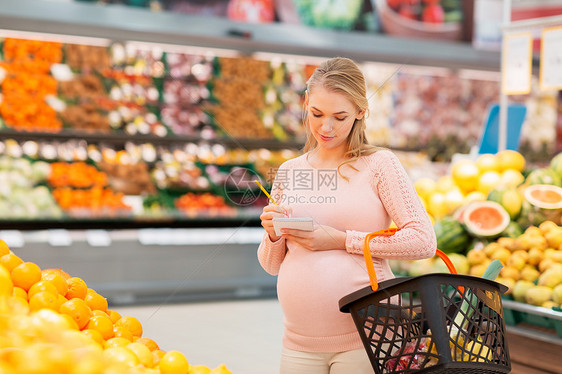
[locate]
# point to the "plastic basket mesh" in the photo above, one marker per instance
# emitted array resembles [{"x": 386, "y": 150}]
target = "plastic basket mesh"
[{"x": 421, "y": 325}]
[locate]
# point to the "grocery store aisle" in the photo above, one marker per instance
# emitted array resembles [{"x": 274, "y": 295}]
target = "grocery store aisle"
[{"x": 245, "y": 335}]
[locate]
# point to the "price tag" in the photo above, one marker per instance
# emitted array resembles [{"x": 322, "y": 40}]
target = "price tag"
[
  {"x": 13, "y": 238},
  {"x": 59, "y": 238},
  {"x": 147, "y": 236},
  {"x": 135, "y": 202},
  {"x": 98, "y": 238},
  {"x": 551, "y": 59},
  {"x": 517, "y": 62}
]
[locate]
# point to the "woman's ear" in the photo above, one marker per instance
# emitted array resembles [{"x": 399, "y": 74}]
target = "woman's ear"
[
  {"x": 361, "y": 114},
  {"x": 306, "y": 100}
]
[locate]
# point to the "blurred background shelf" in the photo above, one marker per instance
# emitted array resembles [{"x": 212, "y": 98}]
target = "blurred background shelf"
[
  {"x": 120, "y": 138},
  {"x": 117, "y": 22}
]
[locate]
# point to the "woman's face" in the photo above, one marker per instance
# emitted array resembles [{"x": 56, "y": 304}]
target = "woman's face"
[{"x": 331, "y": 116}]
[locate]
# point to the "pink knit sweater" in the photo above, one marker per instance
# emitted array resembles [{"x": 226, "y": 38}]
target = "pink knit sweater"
[{"x": 311, "y": 283}]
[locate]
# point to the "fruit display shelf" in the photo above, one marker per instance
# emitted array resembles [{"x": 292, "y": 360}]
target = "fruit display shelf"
[
  {"x": 152, "y": 265},
  {"x": 522, "y": 317}
]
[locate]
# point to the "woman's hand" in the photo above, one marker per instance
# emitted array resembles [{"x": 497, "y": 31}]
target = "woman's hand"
[
  {"x": 322, "y": 238},
  {"x": 270, "y": 211}
]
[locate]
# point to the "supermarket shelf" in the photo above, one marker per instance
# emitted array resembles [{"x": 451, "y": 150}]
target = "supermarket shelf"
[
  {"x": 531, "y": 333},
  {"x": 155, "y": 265},
  {"x": 115, "y": 22},
  {"x": 122, "y": 138},
  {"x": 129, "y": 223},
  {"x": 537, "y": 310}
]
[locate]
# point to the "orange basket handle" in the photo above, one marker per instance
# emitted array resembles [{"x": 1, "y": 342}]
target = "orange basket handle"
[{"x": 369, "y": 259}]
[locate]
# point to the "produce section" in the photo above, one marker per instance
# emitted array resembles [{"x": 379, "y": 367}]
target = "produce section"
[
  {"x": 167, "y": 139},
  {"x": 499, "y": 207},
  {"x": 53, "y": 322}
]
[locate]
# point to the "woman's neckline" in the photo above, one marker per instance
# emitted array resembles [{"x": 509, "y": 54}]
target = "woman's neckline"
[{"x": 314, "y": 167}]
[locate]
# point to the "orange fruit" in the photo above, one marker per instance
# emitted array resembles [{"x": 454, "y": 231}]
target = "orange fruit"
[
  {"x": 113, "y": 315},
  {"x": 151, "y": 344},
  {"x": 43, "y": 300},
  {"x": 122, "y": 332},
  {"x": 6, "y": 284},
  {"x": 41, "y": 286},
  {"x": 95, "y": 335},
  {"x": 61, "y": 300},
  {"x": 95, "y": 301},
  {"x": 103, "y": 325},
  {"x": 121, "y": 355},
  {"x": 76, "y": 288},
  {"x": 157, "y": 356},
  {"x": 78, "y": 310},
  {"x": 18, "y": 306},
  {"x": 4, "y": 249},
  {"x": 57, "y": 280},
  {"x": 97, "y": 312},
  {"x": 71, "y": 322},
  {"x": 10, "y": 261},
  {"x": 143, "y": 353},
  {"x": 116, "y": 342},
  {"x": 20, "y": 292},
  {"x": 60, "y": 272},
  {"x": 26, "y": 275},
  {"x": 132, "y": 324},
  {"x": 173, "y": 362}
]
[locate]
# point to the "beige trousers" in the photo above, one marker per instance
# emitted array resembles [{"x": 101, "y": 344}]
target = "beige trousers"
[{"x": 348, "y": 362}]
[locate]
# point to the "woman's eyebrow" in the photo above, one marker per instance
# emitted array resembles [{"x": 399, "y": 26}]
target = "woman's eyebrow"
[{"x": 318, "y": 110}]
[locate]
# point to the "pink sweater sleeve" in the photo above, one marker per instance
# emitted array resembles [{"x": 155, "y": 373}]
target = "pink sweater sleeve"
[
  {"x": 270, "y": 253},
  {"x": 416, "y": 238}
]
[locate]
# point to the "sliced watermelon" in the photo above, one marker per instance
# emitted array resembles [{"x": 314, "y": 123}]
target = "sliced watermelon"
[
  {"x": 543, "y": 202},
  {"x": 485, "y": 219}
]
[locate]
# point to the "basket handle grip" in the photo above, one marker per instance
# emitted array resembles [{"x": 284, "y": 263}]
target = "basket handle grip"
[{"x": 369, "y": 259}]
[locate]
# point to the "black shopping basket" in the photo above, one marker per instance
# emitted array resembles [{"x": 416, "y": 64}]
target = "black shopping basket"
[{"x": 434, "y": 323}]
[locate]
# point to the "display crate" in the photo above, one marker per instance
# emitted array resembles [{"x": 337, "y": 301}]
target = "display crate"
[{"x": 516, "y": 313}]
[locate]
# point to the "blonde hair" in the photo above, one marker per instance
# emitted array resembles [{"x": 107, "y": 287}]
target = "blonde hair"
[{"x": 342, "y": 75}]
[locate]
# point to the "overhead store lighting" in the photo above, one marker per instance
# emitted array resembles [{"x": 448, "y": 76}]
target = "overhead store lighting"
[
  {"x": 187, "y": 49},
  {"x": 71, "y": 39}
]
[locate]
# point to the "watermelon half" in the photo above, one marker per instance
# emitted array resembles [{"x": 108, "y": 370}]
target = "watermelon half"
[
  {"x": 485, "y": 219},
  {"x": 543, "y": 202}
]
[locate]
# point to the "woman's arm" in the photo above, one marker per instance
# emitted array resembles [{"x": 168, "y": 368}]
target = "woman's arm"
[
  {"x": 416, "y": 238},
  {"x": 272, "y": 252}
]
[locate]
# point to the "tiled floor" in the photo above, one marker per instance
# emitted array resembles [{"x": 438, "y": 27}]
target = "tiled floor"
[{"x": 244, "y": 335}]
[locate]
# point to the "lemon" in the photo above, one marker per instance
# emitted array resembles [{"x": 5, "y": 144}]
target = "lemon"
[
  {"x": 487, "y": 162},
  {"x": 445, "y": 184},
  {"x": 474, "y": 196},
  {"x": 465, "y": 173},
  {"x": 512, "y": 178},
  {"x": 488, "y": 181},
  {"x": 509, "y": 159},
  {"x": 424, "y": 187},
  {"x": 437, "y": 205},
  {"x": 453, "y": 200}
]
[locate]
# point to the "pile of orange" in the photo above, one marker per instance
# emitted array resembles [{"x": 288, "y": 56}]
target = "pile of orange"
[
  {"x": 76, "y": 174},
  {"x": 51, "y": 322},
  {"x": 97, "y": 201},
  {"x": 28, "y": 83}
]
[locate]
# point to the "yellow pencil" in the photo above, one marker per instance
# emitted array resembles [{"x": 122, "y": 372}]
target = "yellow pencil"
[{"x": 265, "y": 192}]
